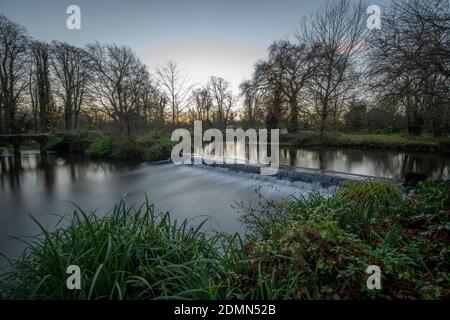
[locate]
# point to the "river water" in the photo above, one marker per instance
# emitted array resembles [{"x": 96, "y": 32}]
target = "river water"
[{"x": 49, "y": 186}]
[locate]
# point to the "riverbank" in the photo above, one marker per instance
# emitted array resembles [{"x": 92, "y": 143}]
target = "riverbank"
[
  {"x": 366, "y": 141},
  {"x": 25, "y": 147},
  {"x": 153, "y": 146},
  {"x": 308, "y": 248}
]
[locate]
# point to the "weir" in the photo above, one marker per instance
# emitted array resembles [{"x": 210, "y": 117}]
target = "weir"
[{"x": 325, "y": 178}]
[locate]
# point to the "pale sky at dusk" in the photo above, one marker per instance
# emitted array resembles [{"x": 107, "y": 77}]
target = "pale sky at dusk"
[{"x": 205, "y": 37}]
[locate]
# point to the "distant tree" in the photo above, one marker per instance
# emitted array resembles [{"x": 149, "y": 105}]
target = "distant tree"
[
  {"x": 34, "y": 99},
  {"x": 386, "y": 117},
  {"x": 152, "y": 105},
  {"x": 355, "y": 118},
  {"x": 202, "y": 105},
  {"x": 176, "y": 87},
  {"x": 253, "y": 103},
  {"x": 222, "y": 100}
]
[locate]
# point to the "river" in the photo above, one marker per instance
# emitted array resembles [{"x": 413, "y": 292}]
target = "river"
[{"x": 48, "y": 187}]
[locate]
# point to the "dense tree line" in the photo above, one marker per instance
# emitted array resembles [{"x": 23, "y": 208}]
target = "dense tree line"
[
  {"x": 339, "y": 75},
  {"x": 57, "y": 86},
  {"x": 332, "y": 74}
]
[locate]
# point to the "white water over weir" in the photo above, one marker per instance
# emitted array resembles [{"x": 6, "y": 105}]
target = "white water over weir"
[{"x": 312, "y": 180}]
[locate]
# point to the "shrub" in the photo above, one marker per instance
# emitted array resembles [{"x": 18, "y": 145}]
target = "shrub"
[
  {"x": 102, "y": 147},
  {"x": 152, "y": 147},
  {"x": 319, "y": 248},
  {"x": 301, "y": 260},
  {"x": 72, "y": 143},
  {"x": 155, "y": 146}
]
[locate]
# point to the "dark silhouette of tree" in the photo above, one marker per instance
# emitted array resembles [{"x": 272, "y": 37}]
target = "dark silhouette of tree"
[
  {"x": 41, "y": 60},
  {"x": 72, "y": 68},
  {"x": 13, "y": 71},
  {"x": 119, "y": 80}
]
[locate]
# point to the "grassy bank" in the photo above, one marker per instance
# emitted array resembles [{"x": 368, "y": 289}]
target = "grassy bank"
[
  {"x": 368, "y": 141},
  {"x": 30, "y": 145},
  {"x": 315, "y": 248},
  {"x": 153, "y": 146}
]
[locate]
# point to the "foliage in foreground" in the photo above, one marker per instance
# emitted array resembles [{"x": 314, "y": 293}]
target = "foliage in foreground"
[
  {"x": 132, "y": 253},
  {"x": 319, "y": 248},
  {"x": 309, "y": 248}
]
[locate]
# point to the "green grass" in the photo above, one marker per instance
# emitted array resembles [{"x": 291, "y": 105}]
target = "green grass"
[
  {"x": 395, "y": 139},
  {"x": 373, "y": 141},
  {"x": 27, "y": 145},
  {"x": 307, "y": 248},
  {"x": 131, "y": 254}
]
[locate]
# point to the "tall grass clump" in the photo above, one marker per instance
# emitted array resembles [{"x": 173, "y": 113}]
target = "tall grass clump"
[
  {"x": 132, "y": 253},
  {"x": 367, "y": 206}
]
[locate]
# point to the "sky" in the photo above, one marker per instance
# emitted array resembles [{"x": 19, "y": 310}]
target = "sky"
[{"x": 205, "y": 37}]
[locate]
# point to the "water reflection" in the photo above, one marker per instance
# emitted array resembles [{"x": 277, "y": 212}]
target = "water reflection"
[
  {"x": 386, "y": 164},
  {"x": 48, "y": 171}
]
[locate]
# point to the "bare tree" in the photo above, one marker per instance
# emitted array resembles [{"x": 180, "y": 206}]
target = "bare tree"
[
  {"x": 335, "y": 35},
  {"x": 72, "y": 68},
  {"x": 251, "y": 102},
  {"x": 177, "y": 89},
  {"x": 201, "y": 105},
  {"x": 13, "y": 71},
  {"x": 34, "y": 99},
  {"x": 410, "y": 61},
  {"x": 41, "y": 61},
  {"x": 119, "y": 80},
  {"x": 268, "y": 76},
  {"x": 221, "y": 98},
  {"x": 285, "y": 73},
  {"x": 152, "y": 105}
]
